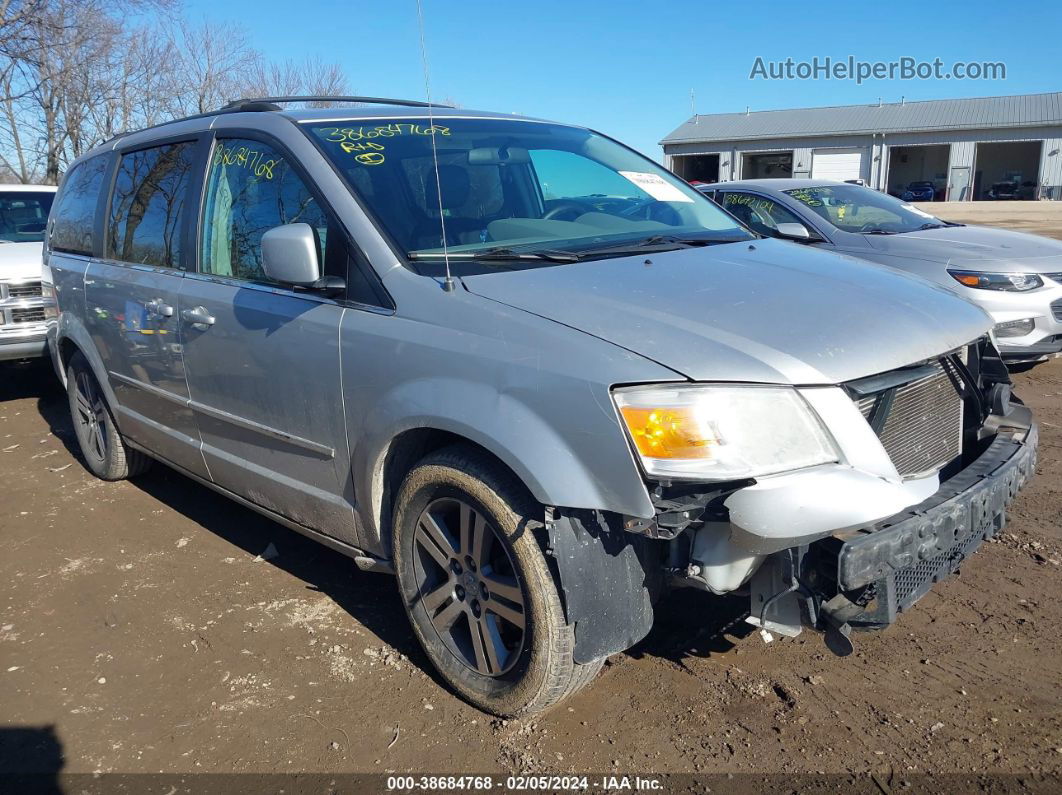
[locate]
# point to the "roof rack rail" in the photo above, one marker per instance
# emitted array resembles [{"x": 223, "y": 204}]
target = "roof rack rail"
[{"x": 271, "y": 103}]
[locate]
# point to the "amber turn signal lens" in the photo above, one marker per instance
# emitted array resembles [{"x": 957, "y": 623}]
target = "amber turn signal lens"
[
  {"x": 667, "y": 433},
  {"x": 968, "y": 279}
]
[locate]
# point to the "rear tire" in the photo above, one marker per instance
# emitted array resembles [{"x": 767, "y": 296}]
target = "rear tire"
[
  {"x": 487, "y": 612},
  {"x": 103, "y": 449}
]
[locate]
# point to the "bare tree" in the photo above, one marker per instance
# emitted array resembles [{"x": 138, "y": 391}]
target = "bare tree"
[
  {"x": 76, "y": 72},
  {"x": 213, "y": 61},
  {"x": 310, "y": 77}
]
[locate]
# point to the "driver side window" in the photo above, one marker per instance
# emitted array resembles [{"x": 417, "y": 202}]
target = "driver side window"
[{"x": 251, "y": 188}]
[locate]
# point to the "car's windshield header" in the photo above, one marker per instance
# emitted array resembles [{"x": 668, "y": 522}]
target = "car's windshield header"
[
  {"x": 852, "y": 208},
  {"x": 512, "y": 185}
]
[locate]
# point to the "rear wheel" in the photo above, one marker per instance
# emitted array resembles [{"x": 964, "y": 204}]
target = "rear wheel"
[
  {"x": 477, "y": 589},
  {"x": 105, "y": 452}
]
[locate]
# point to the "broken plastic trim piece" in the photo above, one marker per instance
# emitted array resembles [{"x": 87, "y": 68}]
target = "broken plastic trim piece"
[{"x": 837, "y": 631}]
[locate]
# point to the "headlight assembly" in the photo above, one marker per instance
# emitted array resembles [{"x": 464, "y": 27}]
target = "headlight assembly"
[
  {"x": 722, "y": 432},
  {"x": 1007, "y": 282}
]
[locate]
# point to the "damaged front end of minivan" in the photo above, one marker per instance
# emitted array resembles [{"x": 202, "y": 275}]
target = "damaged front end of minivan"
[{"x": 924, "y": 461}]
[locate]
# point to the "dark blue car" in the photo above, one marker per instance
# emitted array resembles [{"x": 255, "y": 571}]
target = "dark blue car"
[{"x": 919, "y": 192}]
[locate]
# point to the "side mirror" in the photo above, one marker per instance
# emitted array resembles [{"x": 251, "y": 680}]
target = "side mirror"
[
  {"x": 793, "y": 231},
  {"x": 289, "y": 255}
]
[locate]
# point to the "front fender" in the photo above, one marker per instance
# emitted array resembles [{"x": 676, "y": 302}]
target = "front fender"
[{"x": 582, "y": 466}]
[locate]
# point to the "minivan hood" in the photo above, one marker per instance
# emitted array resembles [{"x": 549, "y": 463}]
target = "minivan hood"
[
  {"x": 20, "y": 261},
  {"x": 974, "y": 247},
  {"x": 766, "y": 312}
]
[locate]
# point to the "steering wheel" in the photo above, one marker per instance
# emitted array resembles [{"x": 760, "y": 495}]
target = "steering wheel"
[
  {"x": 564, "y": 207},
  {"x": 654, "y": 210}
]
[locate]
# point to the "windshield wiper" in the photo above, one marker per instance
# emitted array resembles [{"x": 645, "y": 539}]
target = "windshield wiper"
[
  {"x": 654, "y": 243},
  {"x": 657, "y": 240},
  {"x": 503, "y": 253},
  {"x": 922, "y": 228},
  {"x": 878, "y": 232},
  {"x": 499, "y": 253}
]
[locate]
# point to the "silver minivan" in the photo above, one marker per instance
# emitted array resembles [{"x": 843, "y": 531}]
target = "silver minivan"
[{"x": 529, "y": 372}]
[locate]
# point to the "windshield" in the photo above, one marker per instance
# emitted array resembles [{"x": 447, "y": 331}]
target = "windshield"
[
  {"x": 515, "y": 186},
  {"x": 851, "y": 208},
  {"x": 23, "y": 215}
]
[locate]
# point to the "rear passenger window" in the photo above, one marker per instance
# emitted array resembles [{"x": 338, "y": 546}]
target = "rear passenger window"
[
  {"x": 147, "y": 209},
  {"x": 75, "y": 207}
]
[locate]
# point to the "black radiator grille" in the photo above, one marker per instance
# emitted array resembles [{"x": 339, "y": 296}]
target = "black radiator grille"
[{"x": 922, "y": 426}]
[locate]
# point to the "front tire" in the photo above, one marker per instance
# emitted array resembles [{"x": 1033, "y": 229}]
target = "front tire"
[
  {"x": 102, "y": 447},
  {"x": 476, "y": 586}
]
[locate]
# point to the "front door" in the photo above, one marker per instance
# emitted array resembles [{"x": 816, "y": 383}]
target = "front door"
[
  {"x": 262, "y": 359},
  {"x": 131, "y": 298},
  {"x": 959, "y": 184}
]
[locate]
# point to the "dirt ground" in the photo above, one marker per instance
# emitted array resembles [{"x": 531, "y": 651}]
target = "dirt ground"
[
  {"x": 141, "y": 631},
  {"x": 1040, "y": 218}
]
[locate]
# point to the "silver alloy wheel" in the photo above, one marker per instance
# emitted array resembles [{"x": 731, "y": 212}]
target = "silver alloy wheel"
[
  {"x": 469, "y": 587},
  {"x": 91, "y": 415}
]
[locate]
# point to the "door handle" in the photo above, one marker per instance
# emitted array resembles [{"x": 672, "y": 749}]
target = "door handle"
[
  {"x": 158, "y": 308},
  {"x": 198, "y": 316}
]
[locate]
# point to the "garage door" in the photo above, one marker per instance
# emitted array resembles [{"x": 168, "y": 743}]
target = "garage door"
[{"x": 838, "y": 164}]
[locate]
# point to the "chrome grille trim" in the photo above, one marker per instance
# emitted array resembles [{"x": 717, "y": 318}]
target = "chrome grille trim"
[
  {"x": 922, "y": 428},
  {"x": 22, "y": 304},
  {"x": 28, "y": 315},
  {"x": 26, "y": 290}
]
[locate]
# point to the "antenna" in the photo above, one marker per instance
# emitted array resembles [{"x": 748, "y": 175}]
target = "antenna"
[{"x": 448, "y": 284}]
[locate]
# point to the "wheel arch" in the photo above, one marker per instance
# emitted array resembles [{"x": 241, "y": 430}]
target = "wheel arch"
[
  {"x": 561, "y": 462},
  {"x": 72, "y": 337},
  {"x": 405, "y": 450}
]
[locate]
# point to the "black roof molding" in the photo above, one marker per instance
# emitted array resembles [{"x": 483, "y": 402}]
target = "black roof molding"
[{"x": 273, "y": 103}]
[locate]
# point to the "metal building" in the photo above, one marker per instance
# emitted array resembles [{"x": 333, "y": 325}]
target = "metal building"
[{"x": 983, "y": 148}]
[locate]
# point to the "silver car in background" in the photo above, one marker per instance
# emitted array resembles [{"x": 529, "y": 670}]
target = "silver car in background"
[
  {"x": 24, "y": 309},
  {"x": 1016, "y": 277},
  {"x": 527, "y": 371}
]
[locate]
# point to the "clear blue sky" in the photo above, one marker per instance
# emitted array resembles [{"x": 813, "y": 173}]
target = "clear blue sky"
[{"x": 626, "y": 68}]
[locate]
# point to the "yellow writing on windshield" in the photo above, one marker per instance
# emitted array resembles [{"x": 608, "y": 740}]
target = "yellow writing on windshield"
[
  {"x": 370, "y": 158},
  {"x": 808, "y": 196},
  {"x": 364, "y": 142},
  {"x": 360, "y": 146},
  {"x": 339, "y": 134}
]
